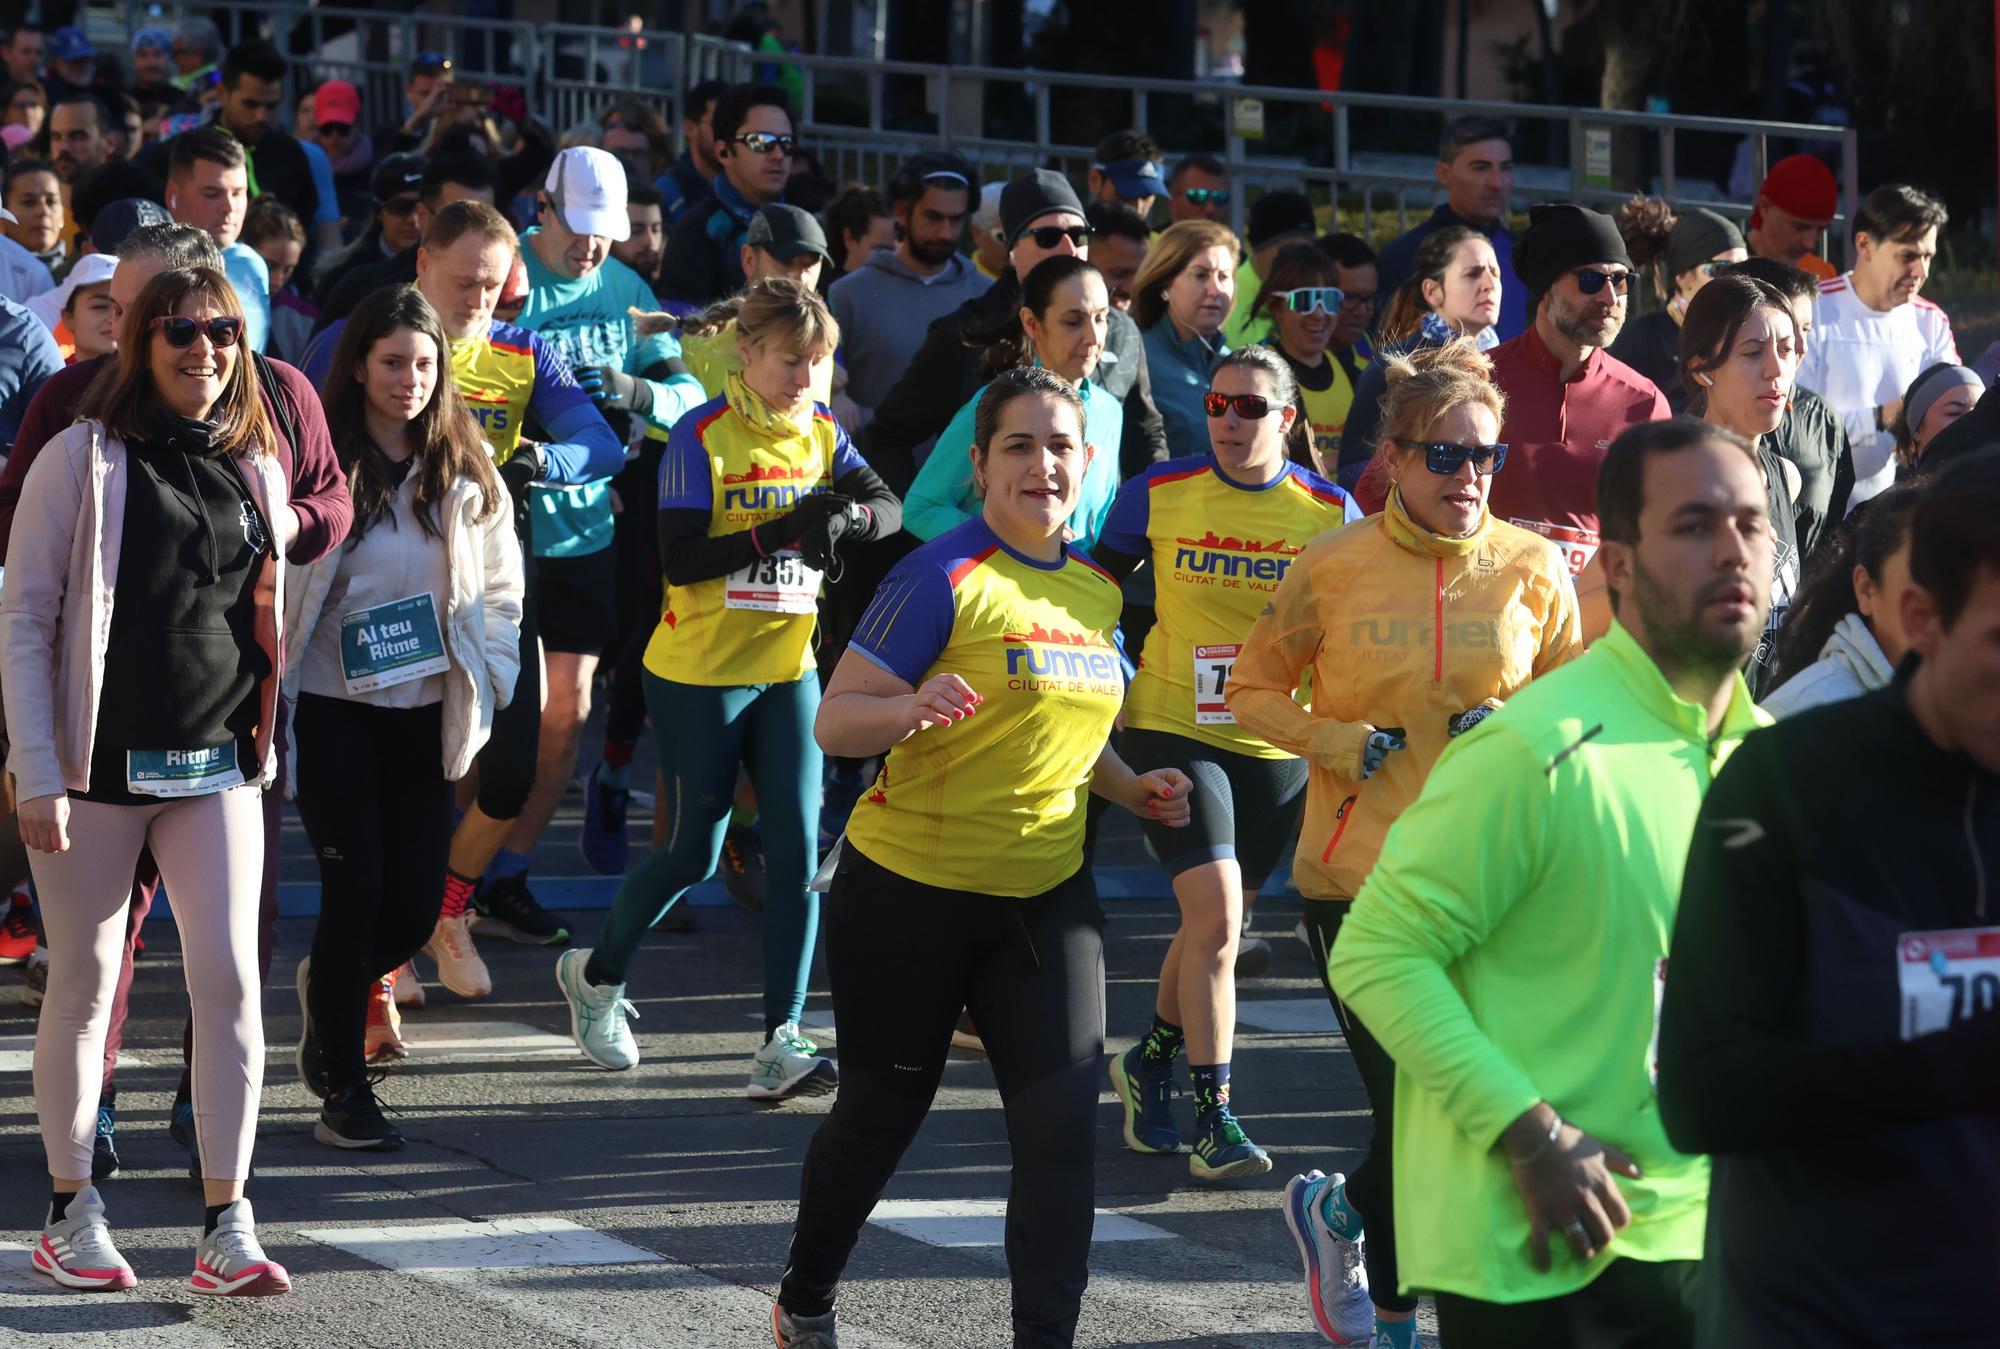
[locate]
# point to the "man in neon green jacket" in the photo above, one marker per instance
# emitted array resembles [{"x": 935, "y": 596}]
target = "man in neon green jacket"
[{"x": 1508, "y": 947}]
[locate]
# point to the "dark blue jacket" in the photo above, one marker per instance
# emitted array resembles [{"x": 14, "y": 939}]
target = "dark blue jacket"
[{"x": 1398, "y": 261}]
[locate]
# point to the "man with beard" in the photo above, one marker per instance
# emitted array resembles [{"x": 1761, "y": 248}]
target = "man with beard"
[
  {"x": 1567, "y": 397},
  {"x": 887, "y": 302},
  {"x": 647, "y": 248},
  {"x": 1515, "y": 983}
]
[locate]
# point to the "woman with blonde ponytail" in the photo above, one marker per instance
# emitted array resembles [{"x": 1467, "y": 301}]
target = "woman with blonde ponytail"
[{"x": 1363, "y": 608}]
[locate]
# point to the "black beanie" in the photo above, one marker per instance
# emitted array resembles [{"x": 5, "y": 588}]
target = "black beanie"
[
  {"x": 1026, "y": 200},
  {"x": 1561, "y": 237}
]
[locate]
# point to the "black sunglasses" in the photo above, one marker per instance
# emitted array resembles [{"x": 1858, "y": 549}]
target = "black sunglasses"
[
  {"x": 336, "y": 128},
  {"x": 1051, "y": 236},
  {"x": 1207, "y": 196},
  {"x": 1249, "y": 406},
  {"x": 763, "y": 142},
  {"x": 1589, "y": 280},
  {"x": 180, "y": 331},
  {"x": 1445, "y": 460}
]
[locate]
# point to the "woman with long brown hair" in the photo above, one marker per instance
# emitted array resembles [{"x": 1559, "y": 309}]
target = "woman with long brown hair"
[
  {"x": 407, "y": 641},
  {"x": 141, "y": 656}
]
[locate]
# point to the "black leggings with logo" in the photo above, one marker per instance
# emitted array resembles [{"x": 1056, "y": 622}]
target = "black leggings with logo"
[{"x": 904, "y": 959}]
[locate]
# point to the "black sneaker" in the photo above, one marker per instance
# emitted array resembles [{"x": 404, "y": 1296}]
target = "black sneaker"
[
  {"x": 104, "y": 1148},
  {"x": 743, "y": 867},
  {"x": 352, "y": 1119},
  {"x": 308, "y": 1059},
  {"x": 507, "y": 908},
  {"x": 679, "y": 919}
]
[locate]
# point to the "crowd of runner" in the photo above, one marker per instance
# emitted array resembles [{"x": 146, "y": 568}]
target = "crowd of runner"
[{"x": 1435, "y": 582}]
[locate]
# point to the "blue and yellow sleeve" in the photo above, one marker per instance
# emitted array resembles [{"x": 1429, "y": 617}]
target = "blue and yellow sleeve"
[{"x": 908, "y": 624}]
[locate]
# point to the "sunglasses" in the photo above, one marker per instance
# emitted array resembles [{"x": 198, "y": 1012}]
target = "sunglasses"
[
  {"x": 1590, "y": 281},
  {"x": 1207, "y": 196},
  {"x": 1250, "y": 407},
  {"x": 336, "y": 128},
  {"x": 1445, "y": 460},
  {"x": 1304, "y": 300},
  {"x": 180, "y": 332},
  {"x": 1051, "y": 236},
  {"x": 399, "y": 206},
  {"x": 763, "y": 142}
]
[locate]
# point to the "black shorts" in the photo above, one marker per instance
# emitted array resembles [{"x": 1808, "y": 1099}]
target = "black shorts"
[
  {"x": 1245, "y": 808},
  {"x": 577, "y": 601}
]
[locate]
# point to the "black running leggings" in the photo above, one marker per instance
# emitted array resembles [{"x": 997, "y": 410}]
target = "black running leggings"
[
  {"x": 904, "y": 958},
  {"x": 1370, "y": 1188},
  {"x": 377, "y": 809}
]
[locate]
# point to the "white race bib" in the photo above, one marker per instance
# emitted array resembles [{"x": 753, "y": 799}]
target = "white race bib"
[
  {"x": 391, "y": 644},
  {"x": 1947, "y": 978},
  {"x": 781, "y": 583},
  {"x": 1576, "y": 545},
  {"x": 181, "y": 772},
  {"x": 1212, "y": 665}
]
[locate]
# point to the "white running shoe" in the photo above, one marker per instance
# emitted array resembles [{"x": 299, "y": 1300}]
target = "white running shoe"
[
  {"x": 1336, "y": 1277},
  {"x": 460, "y": 968},
  {"x": 409, "y": 988},
  {"x": 228, "y": 1262},
  {"x": 76, "y": 1250},
  {"x": 597, "y": 1014},
  {"x": 790, "y": 1065}
]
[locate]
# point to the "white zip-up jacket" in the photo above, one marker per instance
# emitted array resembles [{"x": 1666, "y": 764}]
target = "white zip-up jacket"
[{"x": 1849, "y": 665}]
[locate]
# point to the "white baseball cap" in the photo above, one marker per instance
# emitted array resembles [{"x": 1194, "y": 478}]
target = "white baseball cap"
[{"x": 587, "y": 186}]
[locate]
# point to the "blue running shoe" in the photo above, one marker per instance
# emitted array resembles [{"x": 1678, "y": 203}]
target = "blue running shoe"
[
  {"x": 1147, "y": 1093},
  {"x": 602, "y": 841},
  {"x": 104, "y": 1148},
  {"x": 1222, "y": 1151},
  {"x": 1336, "y": 1275},
  {"x": 181, "y": 1130}
]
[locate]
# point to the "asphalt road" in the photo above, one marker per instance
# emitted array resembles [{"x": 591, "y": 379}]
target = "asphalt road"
[{"x": 543, "y": 1202}]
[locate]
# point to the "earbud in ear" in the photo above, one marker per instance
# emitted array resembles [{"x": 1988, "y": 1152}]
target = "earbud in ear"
[{"x": 1704, "y": 381}]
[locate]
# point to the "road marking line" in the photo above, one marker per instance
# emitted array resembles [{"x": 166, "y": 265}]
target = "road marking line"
[
  {"x": 17, "y": 1055},
  {"x": 482, "y": 1039},
  {"x": 1291, "y": 1016},
  {"x": 983, "y": 1222},
  {"x": 502, "y": 1243}
]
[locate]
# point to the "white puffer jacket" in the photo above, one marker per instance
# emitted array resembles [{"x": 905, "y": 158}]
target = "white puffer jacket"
[{"x": 1849, "y": 665}]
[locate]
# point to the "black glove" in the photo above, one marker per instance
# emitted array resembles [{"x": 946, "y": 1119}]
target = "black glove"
[
  {"x": 1460, "y": 722},
  {"x": 616, "y": 390},
  {"x": 820, "y": 538},
  {"x": 525, "y": 465}
]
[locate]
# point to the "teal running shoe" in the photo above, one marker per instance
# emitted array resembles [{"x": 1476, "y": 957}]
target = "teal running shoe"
[{"x": 596, "y": 1014}]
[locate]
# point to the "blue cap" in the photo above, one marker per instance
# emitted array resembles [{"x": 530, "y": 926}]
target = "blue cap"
[
  {"x": 1134, "y": 178},
  {"x": 114, "y": 221},
  {"x": 69, "y": 44},
  {"x": 159, "y": 39}
]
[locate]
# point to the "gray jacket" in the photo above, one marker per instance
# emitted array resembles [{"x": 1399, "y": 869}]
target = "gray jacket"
[{"x": 884, "y": 309}]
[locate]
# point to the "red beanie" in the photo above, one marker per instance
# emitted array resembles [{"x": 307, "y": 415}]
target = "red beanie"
[{"x": 1802, "y": 186}]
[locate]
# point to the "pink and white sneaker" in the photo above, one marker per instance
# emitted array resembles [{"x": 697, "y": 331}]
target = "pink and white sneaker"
[
  {"x": 229, "y": 1263},
  {"x": 76, "y": 1250}
]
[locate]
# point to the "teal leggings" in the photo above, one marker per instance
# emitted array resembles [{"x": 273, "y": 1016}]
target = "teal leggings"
[{"x": 702, "y": 734}]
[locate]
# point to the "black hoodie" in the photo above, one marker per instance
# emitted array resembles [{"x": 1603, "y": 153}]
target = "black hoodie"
[
  {"x": 1856, "y": 1190},
  {"x": 182, "y": 664}
]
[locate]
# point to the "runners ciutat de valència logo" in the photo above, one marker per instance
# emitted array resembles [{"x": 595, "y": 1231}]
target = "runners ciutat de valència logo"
[
  {"x": 1210, "y": 559},
  {"x": 1050, "y": 661}
]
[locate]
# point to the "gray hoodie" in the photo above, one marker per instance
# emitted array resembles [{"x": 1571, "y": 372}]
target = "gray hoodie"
[
  {"x": 884, "y": 309},
  {"x": 1849, "y": 665}
]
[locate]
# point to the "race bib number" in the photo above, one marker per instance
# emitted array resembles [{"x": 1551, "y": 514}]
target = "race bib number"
[
  {"x": 182, "y": 772},
  {"x": 1577, "y": 545},
  {"x": 779, "y": 584},
  {"x": 391, "y": 644},
  {"x": 1212, "y": 665},
  {"x": 1947, "y": 978}
]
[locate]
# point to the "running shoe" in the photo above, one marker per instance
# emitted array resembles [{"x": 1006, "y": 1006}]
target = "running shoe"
[
  {"x": 383, "y": 1038},
  {"x": 308, "y": 1059},
  {"x": 17, "y": 931},
  {"x": 460, "y": 967},
  {"x": 965, "y": 1035},
  {"x": 76, "y": 1250},
  {"x": 229, "y": 1263},
  {"x": 790, "y": 1065},
  {"x": 409, "y": 988},
  {"x": 352, "y": 1118},
  {"x": 1147, "y": 1093},
  {"x": 602, "y": 840},
  {"x": 507, "y": 908},
  {"x": 1253, "y": 956},
  {"x": 37, "y": 976},
  {"x": 1336, "y": 1274},
  {"x": 678, "y": 920},
  {"x": 104, "y": 1147},
  {"x": 180, "y": 1128},
  {"x": 1222, "y": 1151},
  {"x": 802, "y": 1332},
  {"x": 743, "y": 867},
  {"x": 597, "y": 1014}
]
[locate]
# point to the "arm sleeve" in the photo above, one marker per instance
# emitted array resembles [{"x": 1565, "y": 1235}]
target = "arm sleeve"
[
  {"x": 49, "y": 411},
  {"x": 1276, "y": 651},
  {"x": 941, "y": 497},
  {"x": 1428, "y": 901},
  {"x": 1562, "y": 630},
  {"x": 319, "y": 488},
  {"x": 1144, "y": 439},
  {"x": 918, "y": 407},
  {"x": 853, "y": 477},
  {"x": 1734, "y": 1074},
  {"x": 1123, "y": 542},
  {"x": 31, "y": 617},
  {"x": 504, "y": 593},
  {"x": 908, "y": 623},
  {"x": 32, "y": 359},
  {"x": 581, "y": 446},
  {"x": 1944, "y": 346},
  {"x": 686, "y": 506},
  {"x": 659, "y": 362}
]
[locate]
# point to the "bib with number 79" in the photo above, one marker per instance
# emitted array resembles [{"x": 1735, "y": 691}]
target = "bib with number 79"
[
  {"x": 780, "y": 583},
  {"x": 1211, "y": 679},
  {"x": 1946, "y": 978}
]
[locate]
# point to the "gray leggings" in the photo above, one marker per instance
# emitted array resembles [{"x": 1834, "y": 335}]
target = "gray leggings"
[{"x": 211, "y": 855}]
